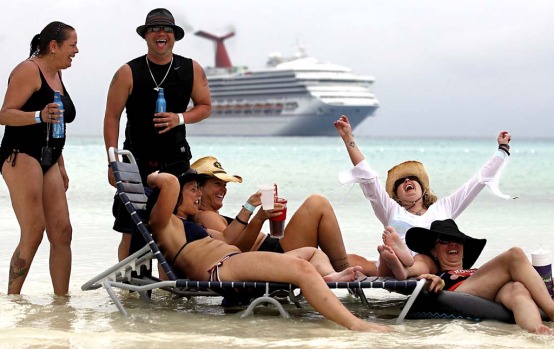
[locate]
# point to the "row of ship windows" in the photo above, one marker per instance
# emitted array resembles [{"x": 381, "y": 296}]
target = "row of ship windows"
[{"x": 267, "y": 108}]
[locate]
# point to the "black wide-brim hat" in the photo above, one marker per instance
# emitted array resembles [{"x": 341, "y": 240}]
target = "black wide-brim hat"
[
  {"x": 422, "y": 240},
  {"x": 161, "y": 16}
]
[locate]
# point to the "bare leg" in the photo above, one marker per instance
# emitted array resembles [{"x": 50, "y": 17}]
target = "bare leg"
[
  {"x": 517, "y": 298},
  {"x": 391, "y": 238},
  {"x": 58, "y": 230},
  {"x": 25, "y": 182},
  {"x": 369, "y": 268},
  {"x": 314, "y": 224},
  {"x": 124, "y": 245},
  {"x": 266, "y": 266},
  {"x": 509, "y": 266},
  {"x": 322, "y": 264}
]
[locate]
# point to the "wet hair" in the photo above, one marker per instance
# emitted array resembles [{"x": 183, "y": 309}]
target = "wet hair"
[{"x": 53, "y": 31}]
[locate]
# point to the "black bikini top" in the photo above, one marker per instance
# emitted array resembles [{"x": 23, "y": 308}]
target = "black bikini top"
[{"x": 193, "y": 232}]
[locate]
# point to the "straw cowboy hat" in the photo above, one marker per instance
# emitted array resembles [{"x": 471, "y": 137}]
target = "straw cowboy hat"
[
  {"x": 406, "y": 169},
  {"x": 209, "y": 166},
  {"x": 423, "y": 240},
  {"x": 160, "y": 17}
]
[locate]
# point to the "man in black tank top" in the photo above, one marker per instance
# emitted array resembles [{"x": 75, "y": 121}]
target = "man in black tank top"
[{"x": 157, "y": 140}]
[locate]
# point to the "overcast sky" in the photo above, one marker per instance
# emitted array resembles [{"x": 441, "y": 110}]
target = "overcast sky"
[{"x": 442, "y": 68}]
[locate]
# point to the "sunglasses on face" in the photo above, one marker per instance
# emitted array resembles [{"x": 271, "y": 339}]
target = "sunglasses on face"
[
  {"x": 156, "y": 29},
  {"x": 401, "y": 180},
  {"x": 445, "y": 240}
]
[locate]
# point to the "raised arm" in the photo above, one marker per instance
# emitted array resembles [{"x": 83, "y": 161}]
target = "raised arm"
[
  {"x": 162, "y": 210},
  {"x": 345, "y": 131}
]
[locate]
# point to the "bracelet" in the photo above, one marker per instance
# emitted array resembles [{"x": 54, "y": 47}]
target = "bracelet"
[
  {"x": 38, "y": 119},
  {"x": 505, "y": 148},
  {"x": 241, "y": 221},
  {"x": 109, "y": 165},
  {"x": 181, "y": 118},
  {"x": 249, "y": 207}
]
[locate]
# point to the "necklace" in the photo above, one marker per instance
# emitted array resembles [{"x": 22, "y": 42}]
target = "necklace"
[
  {"x": 418, "y": 213},
  {"x": 157, "y": 88}
]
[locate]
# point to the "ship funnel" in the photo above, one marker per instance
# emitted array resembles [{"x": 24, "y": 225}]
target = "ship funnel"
[{"x": 222, "y": 59}]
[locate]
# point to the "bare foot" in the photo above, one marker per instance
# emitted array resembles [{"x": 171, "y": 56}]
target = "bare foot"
[
  {"x": 392, "y": 239},
  {"x": 347, "y": 275},
  {"x": 542, "y": 329},
  {"x": 388, "y": 256}
]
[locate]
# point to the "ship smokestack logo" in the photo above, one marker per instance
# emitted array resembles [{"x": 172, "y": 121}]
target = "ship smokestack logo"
[{"x": 222, "y": 59}]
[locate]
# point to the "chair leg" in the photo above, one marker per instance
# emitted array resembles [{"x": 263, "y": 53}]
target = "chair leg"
[
  {"x": 265, "y": 299},
  {"x": 410, "y": 301}
]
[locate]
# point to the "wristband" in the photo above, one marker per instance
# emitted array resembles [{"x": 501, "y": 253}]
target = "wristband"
[
  {"x": 504, "y": 149},
  {"x": 249, "y": 207},
  {"x": 38, "y": 120},
  {"x": 181, "y": 118}
]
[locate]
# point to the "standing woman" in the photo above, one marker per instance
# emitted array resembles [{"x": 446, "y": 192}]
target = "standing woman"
[{"x": 31, "y": 159}]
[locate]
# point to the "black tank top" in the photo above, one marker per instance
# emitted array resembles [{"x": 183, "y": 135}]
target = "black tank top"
[
  {"x": 140, "y": 135},
  {"x": 31, "y": 138}
]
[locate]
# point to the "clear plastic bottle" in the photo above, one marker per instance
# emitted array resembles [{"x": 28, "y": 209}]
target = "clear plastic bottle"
[
  {"x": 58, "y": 130},
  {"x": 160, "y": 102}
]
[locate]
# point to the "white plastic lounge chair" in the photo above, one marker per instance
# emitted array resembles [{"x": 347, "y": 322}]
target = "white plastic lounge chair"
[{"x": 134, "y": 272}]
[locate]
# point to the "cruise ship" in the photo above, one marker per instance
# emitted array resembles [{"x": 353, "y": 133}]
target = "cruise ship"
[{"x": 297, "y": 96}]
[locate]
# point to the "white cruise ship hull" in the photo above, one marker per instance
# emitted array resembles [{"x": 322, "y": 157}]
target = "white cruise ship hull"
[
  {"x": 305, "y": 124},
  {"x": 300, "y": 97}
]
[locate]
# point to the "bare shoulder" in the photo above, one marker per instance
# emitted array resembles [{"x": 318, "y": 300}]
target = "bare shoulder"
[
  {"x": 209, "y": 219},
  {"x": 26, "y": 69}
]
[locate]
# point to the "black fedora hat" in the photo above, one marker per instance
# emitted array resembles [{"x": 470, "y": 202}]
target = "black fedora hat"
[
  {"x": 160, "y": 16},
  {"x": 422, "y": 240}
]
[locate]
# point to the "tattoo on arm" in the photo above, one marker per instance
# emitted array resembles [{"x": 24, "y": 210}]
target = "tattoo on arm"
[
  {"x": 351, "y": 144},
  {"x": 114, "y": 79},
  {"x": 204, "y": 78}
]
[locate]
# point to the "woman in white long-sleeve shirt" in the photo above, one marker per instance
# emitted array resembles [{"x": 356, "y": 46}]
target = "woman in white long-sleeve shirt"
[{"x": 407, "y": 201}]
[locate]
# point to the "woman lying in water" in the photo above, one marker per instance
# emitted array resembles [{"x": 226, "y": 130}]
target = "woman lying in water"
[
  {"x": 194, "y": 253},
  {"x": 508, "y": 278}
]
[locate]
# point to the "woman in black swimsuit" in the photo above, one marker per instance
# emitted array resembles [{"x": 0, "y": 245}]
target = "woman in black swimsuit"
[
  {"x": 199, "y": 256},
  {"x": 37, "y": 182},
  {"x": 509, "y": 278}
]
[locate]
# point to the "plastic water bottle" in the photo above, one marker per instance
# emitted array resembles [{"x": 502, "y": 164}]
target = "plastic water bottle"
[
  {"x": 541, "y": 260},
  {"x": 160, "y": 102},
  {"x": 58, "y": 129}
]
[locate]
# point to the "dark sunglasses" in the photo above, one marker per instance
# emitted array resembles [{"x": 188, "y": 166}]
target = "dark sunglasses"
[
  {"x": 157, "y": 28},
  {"x": 445, "y": 240},
  {"x": 401, "y": 180}
]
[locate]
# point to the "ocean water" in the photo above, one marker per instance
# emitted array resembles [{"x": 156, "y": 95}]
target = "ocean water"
[{"x": 300, "y": 167}]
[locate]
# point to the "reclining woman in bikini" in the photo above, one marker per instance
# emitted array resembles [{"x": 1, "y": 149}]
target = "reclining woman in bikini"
[
  {"x": 313, "y": 224},
  {"x": 197, "y": 255}
]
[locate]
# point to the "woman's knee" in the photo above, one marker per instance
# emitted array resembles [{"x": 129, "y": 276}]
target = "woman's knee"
[
  {"x": 317, "y": 200},
  {"x": 62, "y": 235},
  {"x": 303, "y": 267},
  {"x": 513, "y": 293},
  {"x": 517, "y": 255}
]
